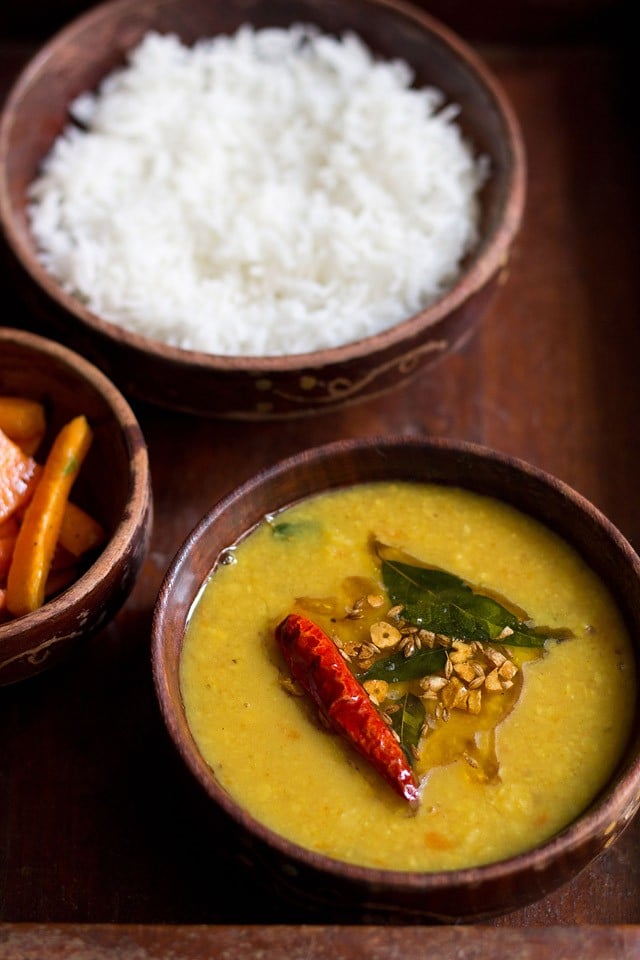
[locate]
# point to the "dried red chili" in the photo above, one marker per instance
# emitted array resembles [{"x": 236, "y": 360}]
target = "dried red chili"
[{"x": 315, "y": 662}]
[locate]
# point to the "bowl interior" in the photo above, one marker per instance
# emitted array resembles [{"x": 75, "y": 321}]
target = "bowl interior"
[
  {"x": 527, "y": 876},
  {"x": 68, "y": 386}
]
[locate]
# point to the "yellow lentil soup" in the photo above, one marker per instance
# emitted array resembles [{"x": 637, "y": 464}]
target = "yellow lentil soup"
[{"x": 512, "y": 742}]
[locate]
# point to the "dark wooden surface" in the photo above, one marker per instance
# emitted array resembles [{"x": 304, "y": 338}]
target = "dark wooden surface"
[
  {"x": 273, "y": 942},
  {"x": 99, "y": 824}
]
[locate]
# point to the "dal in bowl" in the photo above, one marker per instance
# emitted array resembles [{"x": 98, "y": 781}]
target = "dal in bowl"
[{"x": 478, "y": 622}]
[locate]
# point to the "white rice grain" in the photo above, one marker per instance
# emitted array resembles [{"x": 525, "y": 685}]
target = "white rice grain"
[{"x": 272, "y": 192}]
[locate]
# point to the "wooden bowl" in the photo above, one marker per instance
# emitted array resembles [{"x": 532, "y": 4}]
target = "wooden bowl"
[
  {"x": 113, "y": 486},
  {"x": 95, "y": 43},
  {"x": 464, "y": 894}
]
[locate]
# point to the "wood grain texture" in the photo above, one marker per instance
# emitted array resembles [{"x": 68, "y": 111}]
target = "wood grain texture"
[
  {"x": 99, "y": 824},
  {"x": 101, "y": 942}
]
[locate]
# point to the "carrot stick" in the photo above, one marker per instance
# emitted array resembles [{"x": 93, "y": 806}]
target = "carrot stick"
[
  {"x": 18, "y": 474},
  {"x": 36, "y": 541},
  {"x": 23, "y": 421},
  {"x": 79, "y": 532}
]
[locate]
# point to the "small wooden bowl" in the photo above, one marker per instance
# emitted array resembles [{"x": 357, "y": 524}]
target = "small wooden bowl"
[
  {"x": 113, "y": 486},
  {"x": 468, "y": 894},
  {"x": 78, "y": 57}
]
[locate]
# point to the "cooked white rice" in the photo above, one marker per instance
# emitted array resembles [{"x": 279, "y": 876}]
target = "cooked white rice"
[{"x": 272, "y": 192}]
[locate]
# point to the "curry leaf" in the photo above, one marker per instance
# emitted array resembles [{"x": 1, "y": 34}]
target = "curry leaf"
[
  {"x": 407, "y": 721},
  {"x": 287, "y": 530},
  {"x": 441, "y": 602},
  {"x": 397, "y": 667}
]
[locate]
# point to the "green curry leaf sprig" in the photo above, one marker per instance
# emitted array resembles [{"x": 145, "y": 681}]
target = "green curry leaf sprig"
[
  {"x": 407, "y": 719},
  {"x": 449, "y": 612},
  {"x": 439, "y": 601},
  {"x": 443, "y": 604},
  {"x": 396, "y": 668}
]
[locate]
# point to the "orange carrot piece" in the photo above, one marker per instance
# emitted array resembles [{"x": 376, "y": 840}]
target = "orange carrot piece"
[
  {"x": 80, "y": 532},
  {"x": 18, "y": 475},
  {"x": 23, "y": 421},
  {"x": 3, "y": 605},
  {"x": 7, "y": 545},
  {"x": 36, "y": 541}
]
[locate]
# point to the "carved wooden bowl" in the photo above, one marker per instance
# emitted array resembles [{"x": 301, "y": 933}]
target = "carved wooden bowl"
[
  {"x": 440, "y": 896},
  {"x": 262, "y": 387},
  {"x": 113, "y": 485}
]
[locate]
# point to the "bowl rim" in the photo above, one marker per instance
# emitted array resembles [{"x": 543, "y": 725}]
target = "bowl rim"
[
  {"x": 614, "y": 805},
  {"x": 489, "y": 258},
  {"x": 139, "y": 492}
]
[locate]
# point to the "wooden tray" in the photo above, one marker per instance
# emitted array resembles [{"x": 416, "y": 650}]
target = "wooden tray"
[{"x": 99, "y": 823}]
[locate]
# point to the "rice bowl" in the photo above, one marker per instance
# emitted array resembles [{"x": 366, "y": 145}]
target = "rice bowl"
[
  {"x": 244, "y": 195},
  {"x": 259, "y": 386}
]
